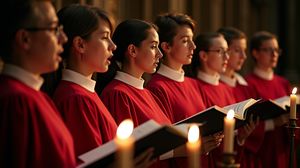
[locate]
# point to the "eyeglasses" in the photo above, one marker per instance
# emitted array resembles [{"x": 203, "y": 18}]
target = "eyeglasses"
[
  {"x": 221, "y": 52},
  {"x": 271, "y": 50},
  {"x": 57, "y": 29}
]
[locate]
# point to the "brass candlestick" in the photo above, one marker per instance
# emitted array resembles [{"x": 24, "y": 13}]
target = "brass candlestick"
[{"x": 228, "y": 161}]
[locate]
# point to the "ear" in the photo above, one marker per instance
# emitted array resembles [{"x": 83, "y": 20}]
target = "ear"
[
  {"x": 255, "y": 54},
  {"x": 79, "y": 44},
  {"x": 203, "y": 56},
  {"x": 165, "y": 47},
  {"x": 23, "y": 39},
  {"x": 132, "y": 50}
]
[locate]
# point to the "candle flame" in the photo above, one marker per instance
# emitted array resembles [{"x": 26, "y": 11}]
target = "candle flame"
[
  {"x": 294, "y": 91},
  {"x": 125, "y": 129},
  {"x": 230, "y": 114},
  {"x": 193, "y": 133}
]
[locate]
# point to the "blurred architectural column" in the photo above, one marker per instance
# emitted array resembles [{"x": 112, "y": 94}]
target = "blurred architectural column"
[{"x": 291, "y": 50}]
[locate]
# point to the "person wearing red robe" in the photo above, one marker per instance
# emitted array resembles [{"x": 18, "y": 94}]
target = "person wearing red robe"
[
  {"x": 274, "y": 151},
  {"x": 237, "y": 45},
  {"x": 169, "y": 84},
  {"x": 32, "y": 132},
  {"x": 124, "y": 95},
  {"x": 209, "y": 60},
  {"x": 83, "y": 112}
]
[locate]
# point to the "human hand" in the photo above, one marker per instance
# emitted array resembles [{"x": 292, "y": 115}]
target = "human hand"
[
  {"x": 211, "y": 142},
  {"x": 246, "y": 130}
]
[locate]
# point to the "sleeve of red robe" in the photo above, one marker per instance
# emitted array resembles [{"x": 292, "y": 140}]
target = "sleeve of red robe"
[
  {"x": 81, "y": 117},
  {"x": 33, "y": 135}
]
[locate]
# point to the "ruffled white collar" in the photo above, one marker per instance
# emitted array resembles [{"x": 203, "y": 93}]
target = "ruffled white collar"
[{"x": 237, "y": 78}]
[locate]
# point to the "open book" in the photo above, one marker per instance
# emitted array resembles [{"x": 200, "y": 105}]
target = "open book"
[
  {"x": 213, "y": 117},
  {"x": 162, "y": 138},
  {"x": 285, "y": 102}
]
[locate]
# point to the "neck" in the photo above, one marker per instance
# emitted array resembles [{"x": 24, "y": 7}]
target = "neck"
[
  {"x": 80, "y": 68},
  {"x": 263, "y": 68},
  {"x": 229, "y": 72},
  {"x": 133, "y": 71},
  {"x": 208, "y": 71},
  {"x": 173, "y": 64},
  {"x": 27, "y": 67}
]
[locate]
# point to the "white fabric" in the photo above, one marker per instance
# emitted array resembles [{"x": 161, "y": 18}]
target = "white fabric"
[
  {"x": 237, "y": 78},
  {"x": 130, "y": 80},
  {"x": 24, "y": 76},
  {"x": 171, "y": 73},
  {"x": 211, "y": 79},
  {"x": 75, "y": 77}
]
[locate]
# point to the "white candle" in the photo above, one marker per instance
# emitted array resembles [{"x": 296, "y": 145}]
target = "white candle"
[
  {"x": 193, "y": 146},
  {"x": 229, "y": 123},
  {"x": 124, "y": 142},
  {"x": 293, "y": 102}
]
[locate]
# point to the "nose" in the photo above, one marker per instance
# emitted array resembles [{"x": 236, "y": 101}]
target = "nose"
[
  {"x": 159, "y": 53},
  {"x": 62, "y": 37},
  {"x": 113, "y": 46},
  {"x": 193, "y": 46},
  {"x": 243, "y": 55}
]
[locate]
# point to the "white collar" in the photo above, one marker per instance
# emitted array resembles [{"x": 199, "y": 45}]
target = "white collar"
[
  {"x": 171, "y": 73},
  {"x": 263, "y": 74},
  {"x": 211, "y": 79},
  {"x": 22, "y": 75},
  {"x": 75, "y": 77},
  {"x": 130, "y": 80},
  {"x": 237, "y": 78}
]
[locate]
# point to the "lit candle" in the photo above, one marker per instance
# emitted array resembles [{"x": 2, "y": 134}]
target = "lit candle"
[
  {"x": 124, "y": 143},
  {"x": 229, "y": 123},
  {"x": 193, "y": 146},
  {"x": 293, "y": 102}
]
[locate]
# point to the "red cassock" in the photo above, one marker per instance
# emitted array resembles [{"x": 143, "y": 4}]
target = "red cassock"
[
  {"x": 274, "y": 151},
  {"x": 125, "y": 101},
  {"x": 220, "y": 95},
  {"x": 183, "y": 98},
  {"x": 31, "y": 130},
  {"x": 247, "y": 154},
  {"x": 85, "y": 115}
]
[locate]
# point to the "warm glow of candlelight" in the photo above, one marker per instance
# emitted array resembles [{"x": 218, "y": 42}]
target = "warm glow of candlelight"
[
  {"x": 230, "y": 114},
  {"x": 125, "y": 129},
  {"x": 193, "y": 134},
  {"x": 294, "y": 91}
]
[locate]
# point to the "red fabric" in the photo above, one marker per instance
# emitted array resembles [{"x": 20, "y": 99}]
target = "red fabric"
[
  {"x": 31, "y": 130},
  {"x": 220, "y": 95},
  {"x": 125, "y": 101},
  {"x": 85, "y": 115},
  {"x": 183, "y": 98},
  {"x": 274, "y": 151},
  {"x": 247, "y": 154}
]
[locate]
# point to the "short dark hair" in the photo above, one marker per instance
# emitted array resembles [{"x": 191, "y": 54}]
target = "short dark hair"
[
  {"x": 80, "y": 20},
  {"x": 231, "y": 33},
  {"x": 259, "y": 37},
  {"x": 203, "y": 42},
  {"x": 15, "y": 15},
  {"x": 168, "y": 24},
  {"x": 132, "y": 31}
]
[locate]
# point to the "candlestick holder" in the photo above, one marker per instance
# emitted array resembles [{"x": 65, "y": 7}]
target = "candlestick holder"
[
  {"x": 292, "y": 128},
  {"x": 228, "y": 161}
]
